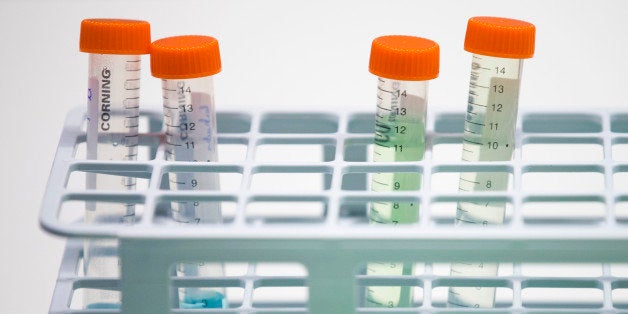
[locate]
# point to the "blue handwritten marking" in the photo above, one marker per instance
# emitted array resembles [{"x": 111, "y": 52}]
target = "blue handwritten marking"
[
  {"x": 208, "y": 139},
  {"x": 89, "y": 94}
]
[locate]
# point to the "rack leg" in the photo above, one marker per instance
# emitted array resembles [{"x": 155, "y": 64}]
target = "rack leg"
[
  {"x": 331, "y": 288},
  {"x": 145, "y": 280}
]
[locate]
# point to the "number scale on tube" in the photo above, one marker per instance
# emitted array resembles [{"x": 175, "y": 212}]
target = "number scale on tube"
[
  {"x": 112, "y": 134},
  {"x": 489, "y": 132},
  {"x": 404, "y": 65},
  {"x": 113, "y": 121},
  {"x": 399, "y": 136},
  {"x": 190, "y": 123},
  {"x": 186, "y": 65}
]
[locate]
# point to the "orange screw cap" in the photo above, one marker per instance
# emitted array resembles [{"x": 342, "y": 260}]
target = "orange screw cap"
[
  {"x": 115, "y": 36},
  {"x": 182, "y": 57},
  {"x": 500, "y": 37},
  {"x": 405, "y": 58}
]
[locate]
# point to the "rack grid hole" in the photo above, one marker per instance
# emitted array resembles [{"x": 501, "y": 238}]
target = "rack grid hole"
[
  {"x": 201, "y": 180},
  {"x": 400, "y": 181},
  {"x": 619, "y": 270},
  {"x": 541, "y": 152},
  {"x": 620, "y": 151},
  {"x": 416, "y": 293},
  {"x": 176, "y": 210},
  {"x": 503, "y": 297},
  {"x": 561, "y": 297},
  {"x": 619, "y": 123},
  {"x": 77, "y": 301},
  {"x": 361, "y": 123},
  {"x": 444, "y": 269},
  {"x": 559, "y": 270},
  {"x": 450, "y": 182},
  {"x": 286, "y": 211},
  {"x": 281, "y": 269},
  {"x": 231, "y": 152},
  {"x": 302, "y": 123},
  {"x": 358, "y": 149},
  {"x": 108, "y": 180},
  {"x": 211, "y": 288},
  {"x": 286, "y": 181},
  {"x": 620, "y": 209},
  {"x": 81, "y": 212},
  {"x": 447, "y": 152},
  {"x": 561, "y": 123},
  {"x": 564, "y": 211},
  {"x": 444, "y": 213},
  {"x": 552, "y": 181},
  {"x": 278, "y": 296},
  {"x": 619, "y": 295},
  {"x": 620, "y": 181},
  {"x": 146, "y": 149},
  {"x": 233, "y": 122},
  {"x": 355, "y": 211},
  {"x": 302, "y": 153}
]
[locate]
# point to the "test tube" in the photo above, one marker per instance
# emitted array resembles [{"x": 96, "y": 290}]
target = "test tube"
[
  {"x": 499, "y": 46},
  {"x": 404, "y": 65},
  {"x": 114, "y": 48},
  {"x": 186, "y": 65}
]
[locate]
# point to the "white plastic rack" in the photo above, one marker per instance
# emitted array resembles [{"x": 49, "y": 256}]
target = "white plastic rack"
[{"x": 564, "y": 211}]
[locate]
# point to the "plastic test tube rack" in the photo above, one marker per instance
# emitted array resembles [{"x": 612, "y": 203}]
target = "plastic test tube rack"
[{"x": 334, "y": 244}]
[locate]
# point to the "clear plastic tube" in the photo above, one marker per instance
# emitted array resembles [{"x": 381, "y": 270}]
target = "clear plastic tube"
[
  {"x": 489, "y": 135},
  {"x": 399, "y": 136},
  {"x": 112, "y": 134},
  {"x": 190, "y": 127}
]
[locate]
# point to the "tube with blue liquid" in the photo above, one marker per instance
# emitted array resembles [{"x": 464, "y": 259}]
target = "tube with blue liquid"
[
  {"x": 115, "y": 47},
  {"x": 186, "y": 65}
]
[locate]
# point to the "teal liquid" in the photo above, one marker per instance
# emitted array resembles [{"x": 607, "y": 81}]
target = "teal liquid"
[
  {"x": 207, "y": 299},
  {"x": 97, "y": 306}
]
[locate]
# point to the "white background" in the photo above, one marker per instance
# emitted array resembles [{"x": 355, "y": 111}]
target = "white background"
[{"x": 279, "y": 54}]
